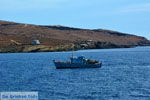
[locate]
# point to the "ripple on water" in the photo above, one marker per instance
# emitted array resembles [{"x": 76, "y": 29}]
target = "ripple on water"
[{"x": 125, "y": 75}]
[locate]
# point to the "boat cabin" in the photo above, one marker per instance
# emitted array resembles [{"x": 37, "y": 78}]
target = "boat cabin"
[{"x": 78, "y": 60}]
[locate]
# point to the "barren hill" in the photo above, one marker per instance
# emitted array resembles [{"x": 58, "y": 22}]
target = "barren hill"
[{"x": 61, "y": 35}]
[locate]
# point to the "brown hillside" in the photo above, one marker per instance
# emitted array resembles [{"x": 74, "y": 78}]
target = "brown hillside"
[{"x": 59, "y": 35}]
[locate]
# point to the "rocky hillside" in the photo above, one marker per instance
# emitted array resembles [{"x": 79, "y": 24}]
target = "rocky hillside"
[{"x": 17, "y": 35}]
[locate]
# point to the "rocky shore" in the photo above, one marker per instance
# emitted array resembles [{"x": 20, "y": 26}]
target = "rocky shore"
[
  {"x": 19, "y": 37},
  {"x": 76, "y": 46}
]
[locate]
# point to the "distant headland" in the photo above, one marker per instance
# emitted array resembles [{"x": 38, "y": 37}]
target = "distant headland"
[{"x": 19, "y": 37}]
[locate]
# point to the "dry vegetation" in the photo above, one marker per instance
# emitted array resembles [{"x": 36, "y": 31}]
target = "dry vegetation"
[{"x": 53, "y": 36}]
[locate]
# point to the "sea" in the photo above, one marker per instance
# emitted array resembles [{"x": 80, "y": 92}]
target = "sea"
[{"x": 124, "y": 75}]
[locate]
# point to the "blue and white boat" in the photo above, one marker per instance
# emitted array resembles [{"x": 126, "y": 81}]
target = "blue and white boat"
[{"x": 78, "y": 62}]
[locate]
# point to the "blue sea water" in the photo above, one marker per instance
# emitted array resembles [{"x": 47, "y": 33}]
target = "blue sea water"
[{"x": 125, "y": 75}]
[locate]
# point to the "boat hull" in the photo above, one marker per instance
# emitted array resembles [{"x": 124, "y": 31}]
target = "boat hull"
[{"x": 61, "y": 65}]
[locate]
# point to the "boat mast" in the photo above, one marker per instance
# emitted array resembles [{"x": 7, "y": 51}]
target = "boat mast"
[{"x": 72, "y": 50}]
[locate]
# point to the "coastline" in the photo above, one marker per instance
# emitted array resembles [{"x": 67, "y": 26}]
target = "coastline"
[
  {"x": 19, "y": 37},
  {"x": 43, "y": 48}
]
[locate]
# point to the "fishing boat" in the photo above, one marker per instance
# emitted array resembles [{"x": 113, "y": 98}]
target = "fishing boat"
[{"x": 77, "y": 62}]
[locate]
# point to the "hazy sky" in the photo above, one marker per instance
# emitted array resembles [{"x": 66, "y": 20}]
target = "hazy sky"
[{"x": 129, "y": 16}]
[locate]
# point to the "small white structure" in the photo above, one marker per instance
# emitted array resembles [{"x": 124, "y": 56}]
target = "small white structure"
[
  {"x": 35, "y": 42},
  {"x": 89, "y": 41}
]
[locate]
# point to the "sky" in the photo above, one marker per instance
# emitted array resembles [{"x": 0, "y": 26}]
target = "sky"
[{"x": 128, "y": 16}]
